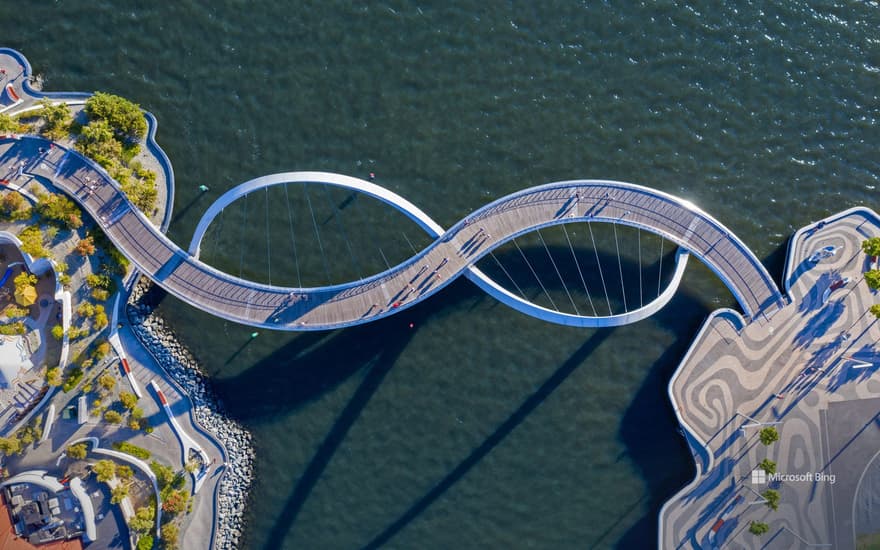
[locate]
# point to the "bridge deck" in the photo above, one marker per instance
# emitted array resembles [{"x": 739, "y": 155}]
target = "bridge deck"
[{"x": 361, "y": 301}]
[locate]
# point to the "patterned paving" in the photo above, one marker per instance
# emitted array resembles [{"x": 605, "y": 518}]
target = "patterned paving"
[{"x": 813, "y": 369}]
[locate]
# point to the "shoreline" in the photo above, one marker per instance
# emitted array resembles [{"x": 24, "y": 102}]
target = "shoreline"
[{"x": 182, "y": 368}]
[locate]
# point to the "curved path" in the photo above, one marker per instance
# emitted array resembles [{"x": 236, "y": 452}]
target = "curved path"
[
  {"x": 433, "y": 229},
  {"x": 384, "y": 294}
]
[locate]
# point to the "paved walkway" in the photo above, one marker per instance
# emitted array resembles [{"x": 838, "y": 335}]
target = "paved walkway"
[
  {"x": 144, "y": 368},
  {"x": 382, "y": 295},
  {"x": 817, "y": 355}
]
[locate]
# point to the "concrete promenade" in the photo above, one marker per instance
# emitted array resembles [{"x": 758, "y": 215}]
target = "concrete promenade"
[{"x": 812, "y": 369}]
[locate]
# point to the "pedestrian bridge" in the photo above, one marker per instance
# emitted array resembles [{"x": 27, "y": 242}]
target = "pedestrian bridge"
[{"x": 454, "y": 252}]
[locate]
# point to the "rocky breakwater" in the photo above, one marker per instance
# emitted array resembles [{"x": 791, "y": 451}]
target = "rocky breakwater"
[{"x": 158, "y": 337}]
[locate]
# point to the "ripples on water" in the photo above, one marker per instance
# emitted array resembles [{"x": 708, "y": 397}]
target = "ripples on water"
[{"x": 765, "y": 116}]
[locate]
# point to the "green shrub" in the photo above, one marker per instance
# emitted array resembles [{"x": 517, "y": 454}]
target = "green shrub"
[
  {"x": 8, "y": 124},
  {"x": 100, "y": 294},
  {"x": 104, "y": 470},
  {"x": 164, "y": 474},
  {"x": 133, "y": 450},
  {"x": 128, "y": 399},
  {"x": 14, "y": 328},
  {"x": 769, "y": 435},
  {"x": 59, "y": 209},
  {"x": 13, "y": 207},
  {"x": 77, "y": 451},
  {"x": 142, "y": 522},
  {"x": 73, "y": 378},
  {"x": 32, "y": 242},
  {"x": 58, "y": 118},
  {"x": 123, "y": 117},
  {"x": 53, "y": 377}
]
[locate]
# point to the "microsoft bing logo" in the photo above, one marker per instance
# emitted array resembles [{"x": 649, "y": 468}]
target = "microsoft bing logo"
[{"x": 759, "y": 477}]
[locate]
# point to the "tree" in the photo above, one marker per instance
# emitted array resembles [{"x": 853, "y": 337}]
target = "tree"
[
  {"x": 113, "y": 417},
  {"x": 85, "y": 247},
  {"x": 10, "y": 445},
  {"x": 16, "y": 327},
  {"x": 100, "y": 294},
  {"x": 170, "y": 535},
  {"x": 875, "y": 310},
  {"x": 77, "y": 451},
  {"x": 57, "y": 116},
  {"x": 99, "y": 280},
  {"x": 164, "y": 474},
  {"x": 107, "y": 381},
  {"x": 129, "y": 400},
  {"x": 124, "y": 117},
  {"x": 100, "y": 321},
  {"x": 758, "y": 528},
  {"x": 142, "y": 521},
  {"x": 58, "y": 208},
  {"x": 85, "y": 309},
  {"x": 174, "y": 502},
  {"x": 53, "y": 377},
  {"x": 102, "y": 349},
  {"x": 871, "y": 246},
  {"x": 768, "y": 466},
  {"x": 51, "y": 233},
  {"x": 145, "y": 542},
  {"x": 58, "y": 332},
  {"x": 12, "y": 311},
  {"x": 97, "y": 141},
  {"x": 104, "y": 470},
  {"x": 118, "y": 493},
  {"x": 124, "y": 472},
  {"x": 8, "y": 124},
  {"x": 32, "y": 242},
  {"x": 772, "y": 498},
  {"x": 769, "y": 435},
  {"x": 872, "y": 278},
  {"x": 13, "y": 207}
]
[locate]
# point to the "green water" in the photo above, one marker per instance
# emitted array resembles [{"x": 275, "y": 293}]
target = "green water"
[{"x": 478, "y": 427}]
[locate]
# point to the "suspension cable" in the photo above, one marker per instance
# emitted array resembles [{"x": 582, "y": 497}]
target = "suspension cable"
[
  {"x": 599, "y": 265},
  {"x": 580, "y": 273},
  {"x": 641, "y": 295},
  {"x": 292, "y": 235},
  {"x": 521, "y": 253},
  {"x": 355, "y": 261},
  {"x": 558, "y": 274},
  {"x": 318, "y": 234},
  {"x": 409, "y": 243},
  {"x": 660, "y": 269},
  {"x": 268, "y": 239},
  {"x": 620, "y": 267},
  {"x": 241, "y": 239},
  {"x": 518, "y": 289}
]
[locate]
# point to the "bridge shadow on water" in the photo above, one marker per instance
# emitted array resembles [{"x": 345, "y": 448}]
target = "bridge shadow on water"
[
  {"x": 649, "y": 428},
  {"x": 312, "y": 364}
]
